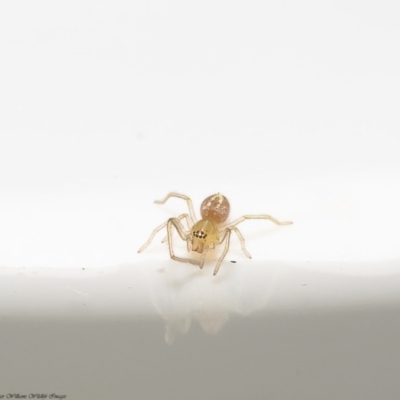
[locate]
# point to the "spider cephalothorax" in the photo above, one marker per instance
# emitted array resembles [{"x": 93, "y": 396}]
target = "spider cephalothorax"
[{"x": 205, "y": 234}]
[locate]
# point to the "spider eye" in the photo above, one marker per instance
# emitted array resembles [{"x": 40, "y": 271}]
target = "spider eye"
[{"x": 200, "y": 234}]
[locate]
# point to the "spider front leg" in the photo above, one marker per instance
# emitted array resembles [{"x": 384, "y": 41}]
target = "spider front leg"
[
  {"x": 184, "y": 236},
  {"x": 239, "y": 235},
  {"x": 189, "y": 222},
  {"x": 158, "y": 229},
  {"x": 227, "y": 237}
]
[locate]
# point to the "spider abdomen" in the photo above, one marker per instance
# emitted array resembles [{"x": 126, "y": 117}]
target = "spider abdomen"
[{"x": 215, "y": 208}]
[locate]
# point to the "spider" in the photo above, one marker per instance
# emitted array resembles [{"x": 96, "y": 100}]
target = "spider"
[{"x": 205, "y": 234}]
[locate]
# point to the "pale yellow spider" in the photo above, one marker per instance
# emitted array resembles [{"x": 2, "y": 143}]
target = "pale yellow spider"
[{"x": 205, "y": 234}]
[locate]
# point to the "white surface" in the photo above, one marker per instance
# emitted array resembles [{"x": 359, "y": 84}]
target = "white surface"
[{"x": 289, "y": 109}]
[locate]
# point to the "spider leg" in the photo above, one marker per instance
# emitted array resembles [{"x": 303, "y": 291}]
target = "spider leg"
[
  {"x": 226, "y": 236},
  {"x": 189, "y": 223},
  {"x": 179, "y": 227},
  {"x": 158, "y": 229},
  {"x": 242, "y": 241},
  {"x": 274, "y": 220},
  {"x": 183, "y": 197}
]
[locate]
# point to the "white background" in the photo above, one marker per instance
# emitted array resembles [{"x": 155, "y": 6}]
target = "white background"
[{"x": 289, "y": 108}]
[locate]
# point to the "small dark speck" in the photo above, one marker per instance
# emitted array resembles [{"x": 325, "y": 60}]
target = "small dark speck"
[
  {"x": 83, "y": 269},
  {"x": 233, "y": 262},
  {"x": 304, "y": 284},
  {"x": 129, "y": 287}
]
